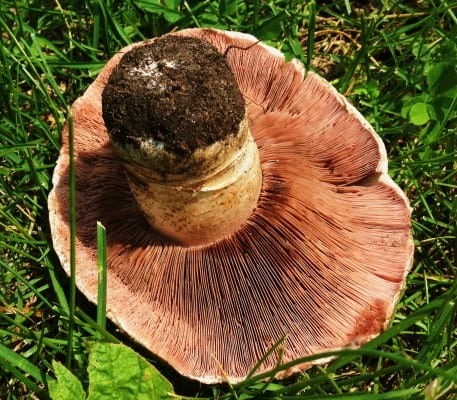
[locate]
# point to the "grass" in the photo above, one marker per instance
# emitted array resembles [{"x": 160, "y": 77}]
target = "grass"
[{"x": 395, "y": 60}]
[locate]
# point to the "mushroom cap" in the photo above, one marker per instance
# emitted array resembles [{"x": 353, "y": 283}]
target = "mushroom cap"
[{"x": 322, "y": 259}]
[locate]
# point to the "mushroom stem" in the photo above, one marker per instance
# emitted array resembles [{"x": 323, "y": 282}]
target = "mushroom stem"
[
  {"x": 178, "y": 121},
  {"x": 201, "y": 210}
]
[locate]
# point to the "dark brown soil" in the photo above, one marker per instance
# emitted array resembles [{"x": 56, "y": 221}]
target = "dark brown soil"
[{"x": 176, "y": 90}]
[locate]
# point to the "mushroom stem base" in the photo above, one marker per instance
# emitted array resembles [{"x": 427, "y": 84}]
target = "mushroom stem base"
[{"x": 201, "y": 212}]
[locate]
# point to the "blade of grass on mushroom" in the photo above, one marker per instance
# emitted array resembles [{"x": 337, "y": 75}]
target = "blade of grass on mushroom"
[
  {"x": 92, "y": 328},
  {"x": 273, "y": 348},
  {"x": 102, "y": 277},
  {"x": 72, "y": 295},
  {"x": 401, "y": 362},
  {"x": 246, "y": 385}
]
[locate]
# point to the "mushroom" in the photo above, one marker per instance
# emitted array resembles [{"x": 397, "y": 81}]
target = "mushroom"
[
  {"x": 273, "y": 218},
  {"x": 176, "y": 117}
]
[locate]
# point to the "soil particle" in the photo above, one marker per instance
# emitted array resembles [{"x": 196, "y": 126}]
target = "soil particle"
[{"x": 179, "y": 91}]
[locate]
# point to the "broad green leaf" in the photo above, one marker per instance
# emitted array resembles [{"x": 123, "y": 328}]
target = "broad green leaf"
[
  {"x": 409, "y": 101},
  {"x": 117, "y": 372},
  {"x": 442, "y": 79},
  {"x": 171, "y": 11},
  {"x": 293, "y": 49},
  {"x": 173, "y": 4},
  {"x": 373, "y": 89},
  {"x": 441, "y": 108},
  {"x": 169, "y": 14},
  {"x": 418, "y": 114},
  {"x": 431, "y": 133},
  {"x": 227, "y": 7},
  {"x": 407, "y": 104},
  {"x": 271, "y": 28},
  {"x": 67, "y": 386},
  {"x": 267, "y": 386},
  {"x": 421, "y": 50},
  {"x": 245, "y": 396}
]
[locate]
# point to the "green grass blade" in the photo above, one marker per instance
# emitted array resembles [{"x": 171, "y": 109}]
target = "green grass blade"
[
  {"x": 102, "y": 276},
  {"x": 311, "y": 33},
  {"x": 72, "y": 294},
  {"x": 9, "y": 359}
]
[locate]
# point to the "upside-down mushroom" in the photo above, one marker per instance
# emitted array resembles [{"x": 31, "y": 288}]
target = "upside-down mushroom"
[{"x": 244, "y": 200}]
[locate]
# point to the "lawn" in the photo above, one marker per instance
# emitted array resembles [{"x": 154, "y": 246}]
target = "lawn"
[{"x": 394, "y": 60}]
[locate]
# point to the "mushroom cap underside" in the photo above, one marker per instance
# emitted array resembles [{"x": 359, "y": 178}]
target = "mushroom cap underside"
[{"x": 321, "y": 260}]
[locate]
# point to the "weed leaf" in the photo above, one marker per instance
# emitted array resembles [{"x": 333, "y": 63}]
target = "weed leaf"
[
  {"x": 419, "y": 114},
  {"x": 169, "y": 14},
  {"x": 115, "y": 371},
  {"x": 67, "y": 386},
  {"x": 442, "y": 79}
]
